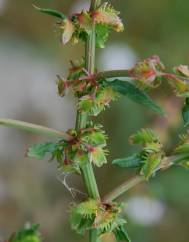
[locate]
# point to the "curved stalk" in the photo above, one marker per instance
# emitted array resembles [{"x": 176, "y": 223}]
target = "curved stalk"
[
  {"x": 34, "y": 128},
  {"x": 124, "y": 187},
  {"x": 127, "y": 185}
]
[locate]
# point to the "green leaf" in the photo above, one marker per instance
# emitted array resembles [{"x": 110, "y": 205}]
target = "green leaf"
[
  {"x": 121, "y": 234},
  {"x": 28, "y": 234},
  {"x": 34, "y": 128},
  {"x": 144, "y": 136},
  {"x": 51, "y": 12},
  {"x": 98, "y": 156},
  {"x": 132, "y": 161},
  {"x": 135, "y": 94},
  {"x": 151, "y": 164},
  {"x": 95, "y": 137},
  {"x": 82, "y": 216},
  {"x": 102, "y": 33},
  {"x": 182, "y": 149},
  {"x": 38, "y": 151}
]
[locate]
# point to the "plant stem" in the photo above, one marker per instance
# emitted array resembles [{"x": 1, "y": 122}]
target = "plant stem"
[
  {"x": 124, "y": 187},
  {"x": 90, "y": 181},
  {"x": 112, "y": 74},
  {"x": 126, "y": 74},
  {"x": 82, "y": 119},
  {"x": 127, "y": 185}
]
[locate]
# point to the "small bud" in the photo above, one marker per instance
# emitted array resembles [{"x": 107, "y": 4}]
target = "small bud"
[
  {"x": 180, "y": 85},
  {"x": 108, "y": 16},
  {"x": 62, "y": 85},
  {"x": 85, "y": 21},
  {"x": 147, "y": 72},
  {"x": 183, "y": 70},
  {"x": 68, "y": 29}
]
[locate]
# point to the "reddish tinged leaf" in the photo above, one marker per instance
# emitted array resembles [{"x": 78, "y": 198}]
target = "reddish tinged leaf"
[
  {"x": 85, "y": 21},
  {"x": 108, "y": 16}
]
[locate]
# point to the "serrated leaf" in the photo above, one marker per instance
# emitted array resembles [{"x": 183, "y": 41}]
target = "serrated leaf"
[
  {"x": 98, "y": 157},
  {"x": 34, "y": 128},
  {"x": 102, "y": 33},
  {"x": 87, "y": 209},
  {"x": 104, "y": 221},
  {"x": 132, "y": 161},
  {"x": 50, "y": 12},
  {"x": 144, "y": 136},
  {"x": 96, "y": 138},
  {"x": 106, "y": 14},
  {"x": 181, "y": 149},
  {"x": 135, "y": 94},
  {"x": 80, "y": 223},
  {"x": 121, "y": 234},
  {"x": 38, "y": 151},
  {"x": 152, "y": 162},
  {"x": 83, "y": 215}
]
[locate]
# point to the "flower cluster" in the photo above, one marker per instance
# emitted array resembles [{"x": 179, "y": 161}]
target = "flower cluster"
[
  {"x": 93, "y": 95},
  {"x": 86, "y": 145},
  {"x": 105, "y": 217},
  {"x": 147, "y": 73},
  {"x": 149, "y": 159},
  {"x": 79, "y": 25}
]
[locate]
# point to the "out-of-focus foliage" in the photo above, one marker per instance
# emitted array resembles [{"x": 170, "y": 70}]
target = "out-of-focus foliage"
[
  {"x": 28, "y": 190},
  {"x": 28, "y": 234}
]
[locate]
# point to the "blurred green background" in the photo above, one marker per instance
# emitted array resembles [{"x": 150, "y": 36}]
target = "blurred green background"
[{"x": 30, "y": 57}]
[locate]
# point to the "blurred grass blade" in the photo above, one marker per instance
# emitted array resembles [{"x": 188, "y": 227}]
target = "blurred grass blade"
[
  {"x": 51, "y": 12},
  {"x": 33, "y": 128},
  {"x": 135, "y": 94}
]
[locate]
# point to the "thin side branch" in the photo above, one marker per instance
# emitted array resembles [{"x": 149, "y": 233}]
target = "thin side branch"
[
  {"x": 125, "y": 73},
  {"x": 127, "y": 185},
  {"x": 124, "y": 187},
  {"x": 112, "y": 74},
  {"x": 34, "y": 128}
]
